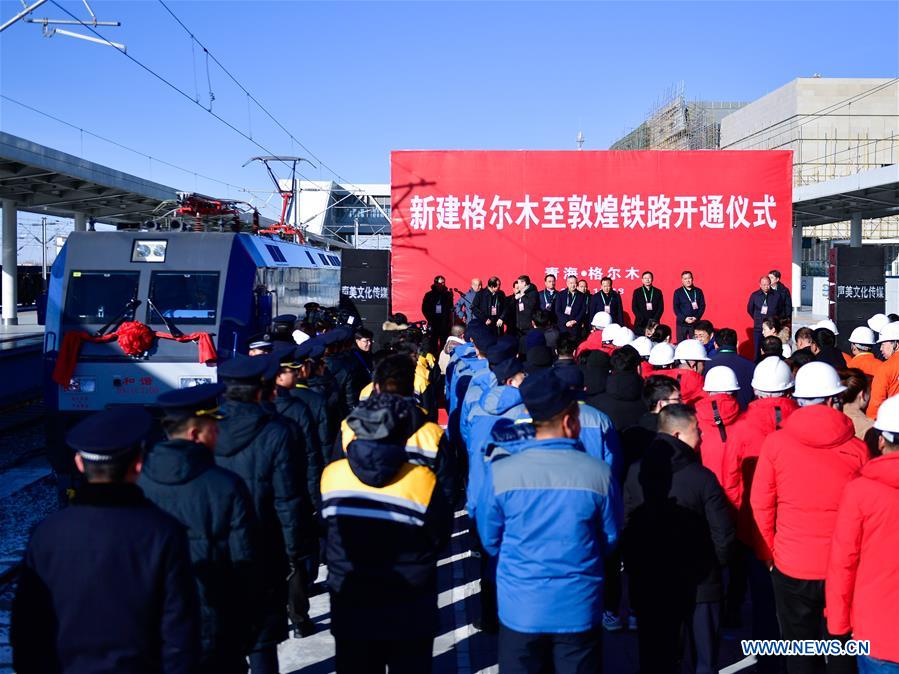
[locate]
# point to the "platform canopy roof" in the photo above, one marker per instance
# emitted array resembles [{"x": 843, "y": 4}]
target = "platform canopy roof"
[
  {"x": 874, "y": 194},
  {"x": 42, "y": 180}
]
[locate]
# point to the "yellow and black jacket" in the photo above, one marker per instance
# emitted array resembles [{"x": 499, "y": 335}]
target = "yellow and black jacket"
[
  {"x": 427, "y": 446},
  {"x": 386, "y": 524}
]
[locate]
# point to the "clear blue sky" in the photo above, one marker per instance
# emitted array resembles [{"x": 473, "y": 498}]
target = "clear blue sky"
[{"x": 355, "y": 80}]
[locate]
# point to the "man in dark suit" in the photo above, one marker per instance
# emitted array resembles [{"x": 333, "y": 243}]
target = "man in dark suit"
[
  {"x": 689, "y": 306},
  {"x": 571, "y": 307},
  {"x": 646, "y": 303}
]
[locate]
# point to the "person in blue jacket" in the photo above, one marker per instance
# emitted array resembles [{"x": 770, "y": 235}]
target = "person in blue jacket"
[
  {"x": 689, "y": 306},
  {"x": 550, "y": 513},
  {"x": 598, "y": 433},
  {"x": 571, "y": 307}
]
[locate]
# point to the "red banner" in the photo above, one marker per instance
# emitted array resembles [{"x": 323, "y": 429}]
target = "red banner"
[{"x": 724, "y": 215}]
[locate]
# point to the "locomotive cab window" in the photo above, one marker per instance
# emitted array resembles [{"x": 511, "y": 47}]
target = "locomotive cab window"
[
  {"x": 97, "y": 297},
  {"x": 185, "y": 298}
]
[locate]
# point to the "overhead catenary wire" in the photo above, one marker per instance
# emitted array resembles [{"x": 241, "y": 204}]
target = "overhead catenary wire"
[
  {"x": 82, "y": 131},
  {"x": 262, "y": 107},
  {"x": 172, "y": 86}
]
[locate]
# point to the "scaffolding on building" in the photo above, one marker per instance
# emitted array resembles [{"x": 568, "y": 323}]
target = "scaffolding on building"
[{"x": 676, "y": 123}]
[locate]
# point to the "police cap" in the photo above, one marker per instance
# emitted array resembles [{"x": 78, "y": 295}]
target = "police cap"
[
  {"x": 194, "y": 401},
  {"x": 242, "y": 370},
  {"x": 545, "y": 395},
  {"x": 107, "y": 435}
]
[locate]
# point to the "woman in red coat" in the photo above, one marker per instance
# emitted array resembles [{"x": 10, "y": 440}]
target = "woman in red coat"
[{"x": 862, "y": 585}]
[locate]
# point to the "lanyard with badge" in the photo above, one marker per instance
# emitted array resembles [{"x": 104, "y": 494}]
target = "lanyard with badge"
[
  {"x": 764, "y": 309},
  {"x": 568, "y": 302},
  {"x": 649, "y": 298},
  {"x": 547, "y": 299},
  {"x": 692, "y": 299},
  {"x": 493, "y": 304},
  {"x": 605, "y": 304}
]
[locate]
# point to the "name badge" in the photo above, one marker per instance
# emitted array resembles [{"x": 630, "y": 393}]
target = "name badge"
[
  {"x": 350, "y": 320},
  {"x": 607, "y": 310},
  {"x": 521, "y": 306},
  {"x": 493, "y": 311},
  {"x": 695, "y": 306},
  {"x": 438, "y": 309},
  {"x": 568, "y": 311},
  {"x": 764, "y": 309},
  {"x": 649, "y": 306}
]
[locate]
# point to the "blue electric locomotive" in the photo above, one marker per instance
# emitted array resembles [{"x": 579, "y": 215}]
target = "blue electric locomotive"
[{"x": 226, "y": 285}]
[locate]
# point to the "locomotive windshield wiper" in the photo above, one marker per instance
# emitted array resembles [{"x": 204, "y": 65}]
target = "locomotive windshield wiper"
[
  {"x": 130, "y": 306},
  {"x": 169, "y": 325}
]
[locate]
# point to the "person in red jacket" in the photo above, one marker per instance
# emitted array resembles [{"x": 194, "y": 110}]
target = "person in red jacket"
[
  {"x": 771, "y": 383},
  {"x": 716, "y": 415},
  {"x": 690, "y": 357},
  {"x": 799, "y": 479},
  {"x": 862, "y": 584}
]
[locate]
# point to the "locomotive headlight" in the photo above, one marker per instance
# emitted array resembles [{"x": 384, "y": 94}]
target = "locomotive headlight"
[
  {"x": 190, "y": 382},
  {"x": 82, "y": 385}
]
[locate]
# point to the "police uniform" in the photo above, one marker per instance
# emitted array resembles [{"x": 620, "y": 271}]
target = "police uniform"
[
  {"x": 256, "y": 445},
  {"x": 214, "y": 505},
  {"x": 106, "y": 585},
  {"x": 315, "y": 400}
]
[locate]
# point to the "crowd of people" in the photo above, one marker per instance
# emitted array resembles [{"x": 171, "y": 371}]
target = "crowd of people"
[{"x": 618, "y": 474}]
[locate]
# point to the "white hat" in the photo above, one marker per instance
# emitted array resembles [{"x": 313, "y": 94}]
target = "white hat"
[
  {"x": 877, "y": 321},
  {"x": 601, "y": 319},
  {"x": 609, "y": 332},
  {"x": 772, "y": 375},
  {"x": 623, "y": 337},
  {"x": 827, "y": 324},
  {"x": 888, "y": 417},
  {"x": 863, "y": 335},
  {"x": 643, "y": 345},
  {"x": 889, "y": 333},
  {"x": 720, "y": 379},
  {"x": 690, "y": 349},
  {"x": 817, "y": 380},
  {"x": 299, "y": 336},
  {"x": 661, "y": 354}
]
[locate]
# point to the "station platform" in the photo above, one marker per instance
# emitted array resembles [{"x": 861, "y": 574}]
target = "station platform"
[{"x": 21, "y": 348}]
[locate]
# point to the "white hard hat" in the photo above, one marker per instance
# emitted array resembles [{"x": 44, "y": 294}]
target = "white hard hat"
[
  {"x": 643, "y": 345},
  {"x": 661, "y": 354},
  {"x": 817, "y": 380},
  {"x": 690, "y": 349},
  {"x": 877, "y": 321},
  {"x": 786, "y": 350},
  {"x": 863, "y": 335},
  {"x": 772, "y": 375},
  {"x": 889, "y": 333},
  {"x": 609, "y": 332},
  {"x": 720, "y": 379},
  {"x": 827, "y": 324},
  {"x": 888, "y": 417},
  {"x": 623, "y": 337},
  {"x": 601, "y": 319}
]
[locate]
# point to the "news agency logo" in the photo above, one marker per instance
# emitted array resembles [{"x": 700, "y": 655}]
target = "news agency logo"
[{"x": 805, "y": 647}]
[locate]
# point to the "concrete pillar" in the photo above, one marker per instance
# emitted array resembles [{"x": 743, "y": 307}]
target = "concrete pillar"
[
  {"x": 10, "y": 264},
  {"x": 796, "y": 288},
  {"x": 80, "y": 222},
  {"x": 855, "y": 231}
]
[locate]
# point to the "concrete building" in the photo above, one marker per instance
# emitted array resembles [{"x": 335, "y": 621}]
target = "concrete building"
[{"x": 836, "y": 128}]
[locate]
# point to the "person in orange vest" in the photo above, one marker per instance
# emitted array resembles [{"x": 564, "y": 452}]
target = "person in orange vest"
[
  {"x": 861, "y": 345},
  {"x": 886, "y": 381}
]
